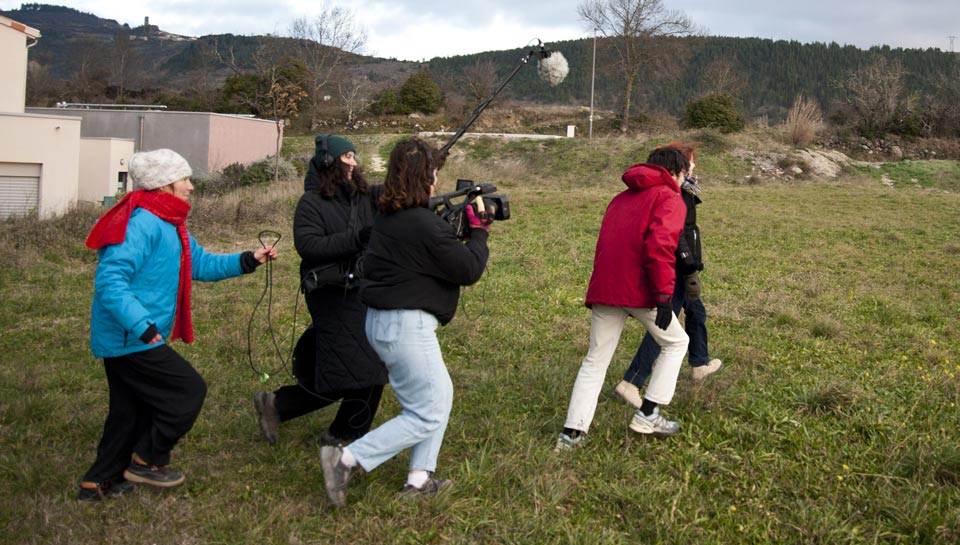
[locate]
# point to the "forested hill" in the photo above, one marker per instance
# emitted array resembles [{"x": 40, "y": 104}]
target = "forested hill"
[
  {"x": 764, "y": 75},
  {"x": 769, "y": 73}
]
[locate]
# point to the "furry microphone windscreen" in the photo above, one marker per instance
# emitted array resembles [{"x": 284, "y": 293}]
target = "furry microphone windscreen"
[{"x": 553, "y": 69}]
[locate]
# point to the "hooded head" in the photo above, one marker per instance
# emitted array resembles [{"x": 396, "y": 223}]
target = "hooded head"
[{"x": 151, "y": 170}]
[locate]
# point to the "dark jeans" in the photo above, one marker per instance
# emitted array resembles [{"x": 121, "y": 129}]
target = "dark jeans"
[
  {"x": 695, "y": 324},
  {"x": 155, "y": 398},
  {"x": 357, "y": 407}
]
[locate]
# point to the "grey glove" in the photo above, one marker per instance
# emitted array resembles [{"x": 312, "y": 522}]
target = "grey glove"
[{"x": 692, "y": 282}]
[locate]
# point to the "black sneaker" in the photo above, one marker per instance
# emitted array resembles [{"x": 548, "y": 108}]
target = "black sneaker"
[
  {"x": 432, "y": 487},
  {"x": 153, "y": 475},
  {"x": 106, "y": 490}
]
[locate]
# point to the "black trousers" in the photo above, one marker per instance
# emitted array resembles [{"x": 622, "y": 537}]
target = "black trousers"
[
  {"x": 155, "y": 398},
  {"x": 354, "y": 416}
]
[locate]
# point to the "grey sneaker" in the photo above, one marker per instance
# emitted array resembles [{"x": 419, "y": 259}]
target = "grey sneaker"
[
  {"x": 628, "y": 393},
  {"x": 265, "y": 402},
  {"x": 153, "y": 475},
  {"x": 565, "y": 442},
  {"x": 432, "y": 487},
  {"x": 655, "y": 424},
  {"x": 336, "y": 475},
  {"x": 701, "y": 372}
]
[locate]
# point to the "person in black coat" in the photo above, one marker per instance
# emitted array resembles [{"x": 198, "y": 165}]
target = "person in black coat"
[
  {"x": 333, "y": 360},
  {"x": 413, "y": 270}
]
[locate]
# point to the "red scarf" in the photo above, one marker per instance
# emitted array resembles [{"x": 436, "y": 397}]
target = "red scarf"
[{"x": 111, "y": 228}]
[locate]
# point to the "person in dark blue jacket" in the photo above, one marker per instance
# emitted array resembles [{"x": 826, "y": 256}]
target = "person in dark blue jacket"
[{"x": 146, "y": 262}]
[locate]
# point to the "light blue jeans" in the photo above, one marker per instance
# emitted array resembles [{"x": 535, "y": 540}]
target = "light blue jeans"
[{"x": 406, "y": 341}]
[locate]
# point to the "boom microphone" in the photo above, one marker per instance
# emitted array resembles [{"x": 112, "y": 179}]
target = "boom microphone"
[{"x": 552, "y": 67}]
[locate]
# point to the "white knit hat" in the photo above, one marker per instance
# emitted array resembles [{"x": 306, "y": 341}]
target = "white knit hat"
[{"x": 155, "y": 169}]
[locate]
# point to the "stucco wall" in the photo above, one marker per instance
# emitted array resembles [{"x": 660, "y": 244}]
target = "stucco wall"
[
  {"x": 13, "y": 66},
  {"x": 239, "y": 140},
  {"x": 52, "y": 142},
  {"x": 208, "y": 141},
  {"x": 101, "y": 159}
]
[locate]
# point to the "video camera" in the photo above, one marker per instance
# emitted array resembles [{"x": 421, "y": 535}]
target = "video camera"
[{"x": 494, "y": 207}]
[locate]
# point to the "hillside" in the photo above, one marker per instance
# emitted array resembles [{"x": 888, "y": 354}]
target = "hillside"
[{"x": 771, "y": 73}]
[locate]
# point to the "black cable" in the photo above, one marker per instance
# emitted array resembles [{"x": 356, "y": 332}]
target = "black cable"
[{"x": 286, "y": 361}]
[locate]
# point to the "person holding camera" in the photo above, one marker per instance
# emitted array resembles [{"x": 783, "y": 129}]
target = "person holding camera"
[
  {"x": 413, "y": 269},
  {"x": 633, "y": 275},
  {"x": 146, "y": 263},
  {"x": 686, "y": 297},
  {"x": 333, "y": 360}
]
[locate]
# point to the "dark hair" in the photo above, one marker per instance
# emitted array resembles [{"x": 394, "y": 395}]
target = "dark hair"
[
  {"x": 671, "y": 159},
  {"x": 327, "y": 179},
  {"x": 409, "y": 176}
]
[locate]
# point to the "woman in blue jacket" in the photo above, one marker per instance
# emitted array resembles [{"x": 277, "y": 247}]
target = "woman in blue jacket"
[{"x": 147, "y": 260}]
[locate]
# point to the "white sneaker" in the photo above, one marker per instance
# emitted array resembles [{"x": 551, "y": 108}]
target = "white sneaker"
[
  {"x": 703, "y": 371},
  {"x": 565, "y": 442},
  {"x": 655, "y": 424},
  {"x": 628, "y": 393}
]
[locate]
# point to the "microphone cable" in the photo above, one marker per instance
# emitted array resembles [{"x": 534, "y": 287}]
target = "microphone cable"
[
  {"x": 267, "y": 294},
  {"x": 286, "y": 360}
]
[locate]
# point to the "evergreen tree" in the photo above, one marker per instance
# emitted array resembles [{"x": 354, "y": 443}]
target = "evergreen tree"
[{"x": 420, "y": 93}]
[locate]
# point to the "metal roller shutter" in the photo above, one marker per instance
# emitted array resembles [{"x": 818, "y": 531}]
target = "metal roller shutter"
[{"x": 18, "y": 195}]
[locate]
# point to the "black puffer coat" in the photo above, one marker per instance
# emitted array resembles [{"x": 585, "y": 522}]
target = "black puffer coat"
[
  {"x": 324, "y": 233},
  {"x": 689, "y": 255}
]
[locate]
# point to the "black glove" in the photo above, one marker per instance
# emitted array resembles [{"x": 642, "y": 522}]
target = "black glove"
[
  {"x": 664, "y": 315},
  {"x": 693, "y": 286}
]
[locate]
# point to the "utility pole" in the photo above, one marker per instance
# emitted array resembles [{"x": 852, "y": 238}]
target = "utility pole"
[{"x": 593, "y": 74}]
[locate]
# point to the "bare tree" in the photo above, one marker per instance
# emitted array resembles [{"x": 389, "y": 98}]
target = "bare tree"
[
  {"x": 723, "y": 76},
  {"x": 87, "y": 56},
  {"x": 283, "y": 100},
  {"x": 322, "y": 45},
  {"x": 42, "y": 88},
  {"x": 942, "y": 113},
  {"x": 481, "y": 78},
  {"x": 357, "y": 96},
  {"x": 874, "y": 94},
  {"x": 123, "y": 62},
  {"x": 633, "y": 28}
]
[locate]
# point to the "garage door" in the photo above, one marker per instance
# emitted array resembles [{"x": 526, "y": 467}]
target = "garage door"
[{"x": 18, "y": 195}]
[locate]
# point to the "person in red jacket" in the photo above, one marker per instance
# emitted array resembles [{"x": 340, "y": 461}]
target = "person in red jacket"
[{"x": 633, "y": 275}]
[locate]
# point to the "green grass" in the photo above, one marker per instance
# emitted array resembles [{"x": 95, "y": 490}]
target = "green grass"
[
  {"x": 939, "y": 174},
  {"x": 832, "y": 304}
]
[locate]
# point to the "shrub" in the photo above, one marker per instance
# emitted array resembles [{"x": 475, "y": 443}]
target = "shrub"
[
  {"x": 386, "y": 103},
  {"x": 716, "y": 111},
  {"x": 803, "y": 121},
  {"x": 237, "y": 175}
]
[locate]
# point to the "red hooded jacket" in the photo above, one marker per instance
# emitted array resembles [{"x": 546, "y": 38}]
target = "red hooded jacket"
[{"x": 634, "y": 262}]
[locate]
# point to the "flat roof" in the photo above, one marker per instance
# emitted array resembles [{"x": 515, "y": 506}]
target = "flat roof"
[{"x": 29, "y": 31}]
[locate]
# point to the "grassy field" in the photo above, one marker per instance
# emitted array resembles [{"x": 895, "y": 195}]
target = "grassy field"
[{"x": 833, "y": 304}]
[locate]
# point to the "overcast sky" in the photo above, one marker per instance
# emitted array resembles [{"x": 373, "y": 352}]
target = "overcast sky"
[{"x": 423, "y": 29}]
